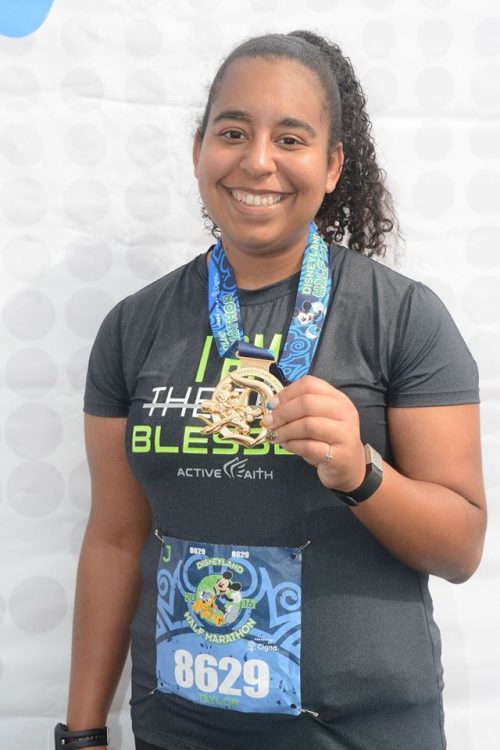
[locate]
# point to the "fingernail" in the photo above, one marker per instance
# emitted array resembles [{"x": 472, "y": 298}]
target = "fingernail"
[
  {"x": 274, "y": 401},
  {"x": 268, "y": 420}
]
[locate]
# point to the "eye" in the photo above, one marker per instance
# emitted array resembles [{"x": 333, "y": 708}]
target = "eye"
[
  {"x": 290, "y": 140},
  {"x": 232, "y": 135}
]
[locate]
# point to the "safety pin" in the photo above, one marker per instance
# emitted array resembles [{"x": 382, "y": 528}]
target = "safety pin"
[
  {"x": 307, "y": 711},
  {"x": 294, "y": 554},
  {"x": 158, "y": 536}
]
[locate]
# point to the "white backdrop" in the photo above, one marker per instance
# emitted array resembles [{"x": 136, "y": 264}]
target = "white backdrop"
[{"x": 97, "y": 198}]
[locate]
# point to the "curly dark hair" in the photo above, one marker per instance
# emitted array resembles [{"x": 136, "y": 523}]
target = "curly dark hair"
[{"x": 361, "y": 206}]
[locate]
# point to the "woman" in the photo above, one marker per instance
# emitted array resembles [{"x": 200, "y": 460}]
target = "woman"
[{"x": 283, "y": 596}]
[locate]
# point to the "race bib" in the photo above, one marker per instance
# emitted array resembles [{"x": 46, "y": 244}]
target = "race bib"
[{"x": 229, "y": 625}]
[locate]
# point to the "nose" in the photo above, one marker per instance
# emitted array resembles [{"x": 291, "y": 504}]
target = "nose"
[{"x": 258, "y": 157}]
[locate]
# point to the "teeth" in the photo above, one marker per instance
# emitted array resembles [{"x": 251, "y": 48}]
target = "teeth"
[{"x": 256, "y": 200}]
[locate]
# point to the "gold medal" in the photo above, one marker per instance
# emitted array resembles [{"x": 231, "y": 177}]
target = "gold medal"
[{"x": 234, "y": 409}]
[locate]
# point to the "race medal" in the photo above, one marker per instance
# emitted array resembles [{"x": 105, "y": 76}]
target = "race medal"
[
  {"x": 228, "y": 625},
  {"x": 240, "y": 400}
]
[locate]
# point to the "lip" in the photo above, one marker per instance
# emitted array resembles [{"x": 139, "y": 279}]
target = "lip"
[
  {"x": 247, "y": 210},
  {"x": 251, "y": 191}
]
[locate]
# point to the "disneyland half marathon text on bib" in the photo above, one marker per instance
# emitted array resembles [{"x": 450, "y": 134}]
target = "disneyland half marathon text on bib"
[{"x": 229, "y": 625}]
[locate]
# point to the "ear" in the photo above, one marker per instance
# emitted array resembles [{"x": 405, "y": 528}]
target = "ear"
[
  {"x": 335, "y": 164},
  {"x": 196, "y": 151}
]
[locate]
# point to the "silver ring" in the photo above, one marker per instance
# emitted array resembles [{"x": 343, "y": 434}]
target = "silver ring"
[
  {"x": 329, "y": 456},
  {"x": 272, "y": 435}
]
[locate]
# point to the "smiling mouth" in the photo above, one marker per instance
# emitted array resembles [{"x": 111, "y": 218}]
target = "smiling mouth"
[{"x": 252, "y": 199}]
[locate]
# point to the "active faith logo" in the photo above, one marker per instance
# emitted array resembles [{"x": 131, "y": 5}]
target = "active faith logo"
[{"x": 235, "y": 469}]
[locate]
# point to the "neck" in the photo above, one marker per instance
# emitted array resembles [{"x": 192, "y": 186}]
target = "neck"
[{"x": 254, "y": 270}]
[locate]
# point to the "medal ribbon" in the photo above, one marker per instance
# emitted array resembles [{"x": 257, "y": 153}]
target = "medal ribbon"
[{"x": 311, "y": 304}]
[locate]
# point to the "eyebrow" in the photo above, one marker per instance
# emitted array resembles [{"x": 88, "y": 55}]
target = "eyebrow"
[{"x": 287, "y": 122}]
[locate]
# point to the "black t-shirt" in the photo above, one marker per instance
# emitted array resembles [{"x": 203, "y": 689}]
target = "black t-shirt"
[{"x": 370, "y": 650}]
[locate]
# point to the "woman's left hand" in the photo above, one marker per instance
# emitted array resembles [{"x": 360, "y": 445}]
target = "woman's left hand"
[{"x": 314, "y": 419}]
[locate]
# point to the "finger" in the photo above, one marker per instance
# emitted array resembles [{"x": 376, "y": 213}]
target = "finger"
[
  {"x": 308, "y": 405},
  {"x": 309, "y": 428},
  {"x": 312, "y": 451},
  {"x": 307, "y": 384}
]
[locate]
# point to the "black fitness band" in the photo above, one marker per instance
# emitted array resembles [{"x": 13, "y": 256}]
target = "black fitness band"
[{"x": 66, "y": 740}]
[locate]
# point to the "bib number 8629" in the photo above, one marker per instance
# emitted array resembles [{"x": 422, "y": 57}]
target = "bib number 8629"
[{"x": 204, "y": 669}]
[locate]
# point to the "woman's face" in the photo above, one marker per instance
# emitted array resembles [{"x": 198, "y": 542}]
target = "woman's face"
[{"x": 263, "y": 166}]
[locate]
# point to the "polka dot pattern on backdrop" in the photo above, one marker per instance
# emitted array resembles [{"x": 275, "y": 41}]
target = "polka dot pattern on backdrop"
[
  {"x": 31, "y": 373},
  {"x": 143, "y": 39},
  {"x": 16, "y": 47},
  {"x": 86, "y": 201},
  {"x": 482, "y": 191},
  {"x": 481, "y": 299},
  {"x": 33, "y": 431},
  {"x": 21, "y": 144},
  {"x": 29, "y": 315},
  {"x": 434, "y": 142},
  {"x": 148, "y": 200},
  {"x": 84, "y": 145},
  {"x": 76, "y": 537},
  {"x": 35, "y": 489},
  {"x": 146, "y": 256},
  {"x": 321, "y": 5},
  {"x": 86, "y": 309},
  {"x": 38, "y": 604},
  {"x": 378, "y": 5},
  {"x": 26, "y": 258},
  {"x": 434, "y": 89},
  {"x": 486, "y": 349},
  {"x": 487, "y": 36},
  {"x": 145, "y": 87},
  {"x": 24, "y": 201},
  {"x": 82, "y": 89},
  {"x": 147, "y": 145},
  {"x": 80, "y": 38},
  {"x": 89, "y": 258},
  {"x": 484, "y": 141},
  {"x": 77, "y": 369},
  {"x": 2, "y": 609},
  {"x": 433, "y": 194},
  {"x": 19, "y": 88},
  {"x": 482, "y": 245},
  {"x": 79, "y": 486},
  {"x": 382, "y": 89},
  {"x": 379, "y": 39},
  {"x": 485, "y": 87},
  {"x": 435, "y": 37}
]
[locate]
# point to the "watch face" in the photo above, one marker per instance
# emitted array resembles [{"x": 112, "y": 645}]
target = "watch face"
[{"x": 373, "y": 457}]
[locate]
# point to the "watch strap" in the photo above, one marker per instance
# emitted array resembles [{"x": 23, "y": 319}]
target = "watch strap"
[
  {"x": 371, "y": 482},
  {"x": 66, "y": 740}
]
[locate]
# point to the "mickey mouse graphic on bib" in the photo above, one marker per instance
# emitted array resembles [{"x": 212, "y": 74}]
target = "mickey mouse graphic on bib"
[{"x": 229, "y": 625}]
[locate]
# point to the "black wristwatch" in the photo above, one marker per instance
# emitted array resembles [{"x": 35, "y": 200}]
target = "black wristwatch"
[
  {"x": 66, "y": 740},
  {"x": 371, "y": 482}
]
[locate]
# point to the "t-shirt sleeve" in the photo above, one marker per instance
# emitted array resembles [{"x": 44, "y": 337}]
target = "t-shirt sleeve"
[
  {"x": 431, "y": 364},
  {"x": 106, "y": 393}
]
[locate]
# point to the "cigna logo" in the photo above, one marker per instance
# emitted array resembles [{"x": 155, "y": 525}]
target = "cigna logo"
[
  {"x": 19, "y": 21},
  {"x": 235, "y": 469}
]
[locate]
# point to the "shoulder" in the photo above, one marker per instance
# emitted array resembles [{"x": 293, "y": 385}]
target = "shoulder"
[
  {"x": 363, "y": 271},
  {"x": 142, "y": 309},
  {"x": 380, "y": 291},
  {"x": 188, "y": 278}
]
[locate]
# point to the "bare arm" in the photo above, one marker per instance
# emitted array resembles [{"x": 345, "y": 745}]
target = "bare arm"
[
  {"x": 108, "y": 582},
  {"x": 430, "y": 510}
]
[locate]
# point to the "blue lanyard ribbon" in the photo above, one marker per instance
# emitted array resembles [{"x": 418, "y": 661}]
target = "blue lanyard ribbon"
[{"x": 311, "y": 304}]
